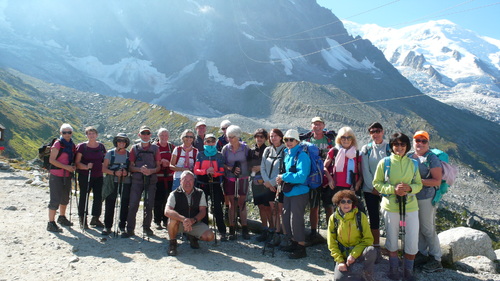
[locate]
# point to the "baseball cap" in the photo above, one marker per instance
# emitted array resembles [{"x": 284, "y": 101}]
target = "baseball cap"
[
  {"x": 200, "y": 123},
  {"x": 317, "y": 119},
  {"x": 144, "y": 128},
  {"x": 423, "y": 134},
  {"x": 207, "y": 136}
]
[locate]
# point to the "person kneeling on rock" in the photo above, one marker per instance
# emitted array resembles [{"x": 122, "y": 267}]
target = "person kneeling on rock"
[{"x": 186, "y": 207}]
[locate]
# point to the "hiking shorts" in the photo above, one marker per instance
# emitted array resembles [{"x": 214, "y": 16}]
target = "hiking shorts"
[
  {"x": 60, "y": 187},
  {"x": 229, "y": 186},
  {"x": 319, "y": 196},
  {"x": 198, "y": 229}
]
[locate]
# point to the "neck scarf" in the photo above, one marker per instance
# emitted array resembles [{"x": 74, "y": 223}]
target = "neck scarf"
[
  {"x": 68, "y": 148},
  {"x": 210, "y": 150},
  {"x": 341, "y": 155}
]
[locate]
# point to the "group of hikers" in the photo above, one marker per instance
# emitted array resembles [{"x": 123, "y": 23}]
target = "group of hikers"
[{"x": 181, "y": 182}]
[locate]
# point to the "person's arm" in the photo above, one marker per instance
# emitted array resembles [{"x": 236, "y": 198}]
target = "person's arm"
[
  {"x": 366, "y": 237},
  {"x": 359, "y": 182},
  {"x": 54, "y": 151},
  {"x": 332, "y": 242},
  {"x": 379, "y": 180},
  {"x": 365, "y": 169},
  {"x": 105, "y": 168},
  {"x": 79, "y": 164},
  {"x": 327, "y": 164},
  {"x": 436, "y": 172},
  {"x": 303, "y": 169}
]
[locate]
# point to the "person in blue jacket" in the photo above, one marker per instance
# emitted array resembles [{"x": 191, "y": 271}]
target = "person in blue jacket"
[{"x": 292, "y": 182}]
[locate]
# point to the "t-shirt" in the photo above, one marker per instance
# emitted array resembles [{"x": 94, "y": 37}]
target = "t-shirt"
[
  {"x": 93, "y": 155},
  {"x": 322, "y": 144},
  {"x": 426, "y": 163},
  {"x": 63, "y": 158},
  {"x": 120, "y": 159},
  {"x": 181, "y": 161}
]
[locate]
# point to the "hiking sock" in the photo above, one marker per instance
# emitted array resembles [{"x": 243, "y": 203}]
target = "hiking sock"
[
  {"x": 408, "y": 264},
  {"x": 314, "y": 232},
  {"x": 394, "y": 262}
]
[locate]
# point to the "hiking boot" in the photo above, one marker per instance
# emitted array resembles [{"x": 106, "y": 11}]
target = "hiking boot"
[
  {"x": 193, "y": 242},
  {"x": 128, "y": 234},
  {"x": 62, "y": 220},
  {"x": 290, "y": 247},
  {"x": 52, "y": 227},
  {"x": 148, "y": 231},
  {"x": 122, "y": 229},
  {"x": 158, "y": 226},
  {"x": 420, "y": 259},
  {"x": 394, "y": 273},
  {"x": 223, "y": 237},
  {"x": 172, "y": 248},
  {"x": 298, "y": 253},
  {"x": 232, "y": 233},
  {"x": 83, "y": 223},
  {"x": 245, "y": 233},
  {"x": 263, "y": 236},
  {"x": 432, "y": 266},
  {"x": 95, "y": 222},
  {"x": 409, "y": 275},
  {"x": 106, "y": 231}
]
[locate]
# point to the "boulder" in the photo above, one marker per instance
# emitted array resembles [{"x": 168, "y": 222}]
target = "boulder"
[
  {"x": 497, "y": 253},
  {"x": 461, "y": 242},
  {"x": 476, "y": 264}
]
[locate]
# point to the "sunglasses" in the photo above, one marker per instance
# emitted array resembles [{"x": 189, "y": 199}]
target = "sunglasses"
[
  {"x": 399, "y": 144},
  {"x": 121, "y": 140},
  {"x": 377, "y": 131},
  {"x": 345, "y": 138},
  {"x": 223, "y": 129},
  {"x": 346, "y": 201},
  {"x": 189, "y": 137},
  {"x": 146, "y": 133},
  {"x": 259, "y": 136},
  {"x": 67, "y": 133},
  {"x": 421, "y": 140},
  {"x": 289, "y": 139}
]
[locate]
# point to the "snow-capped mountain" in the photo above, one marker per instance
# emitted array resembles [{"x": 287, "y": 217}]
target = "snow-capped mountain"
[{"x": 452, "y": 64}]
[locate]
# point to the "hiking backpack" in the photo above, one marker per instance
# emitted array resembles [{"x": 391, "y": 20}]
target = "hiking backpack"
[
  {"x": 449, "y": 174},
  {"x": 315, "y": 178},
  {"x": 358, "y": 222},
  {"x": 369, "y": 147},
  {"x": 178, "y": 149},
  {"x": 44, "y": 154}
]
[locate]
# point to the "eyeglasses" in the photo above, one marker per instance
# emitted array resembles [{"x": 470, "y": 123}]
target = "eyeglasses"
[
  {"x": 259, "y": 136},
  {"x": 345, "y": 137},
  {"x": 399, "y": 144},
  {"x": 421, "y": 140},
  {"x": 289, "y": 139},
  {"x": 189, "y": 137},
  {"x": 346, "y": 201},
  {"x": 146, "y": 133},
  {"x": 67, "y": 133},
  {"x": 376, "y": 131}
]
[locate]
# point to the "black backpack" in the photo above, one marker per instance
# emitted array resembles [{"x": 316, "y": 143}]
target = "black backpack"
[{"x": 44, "y": 154}]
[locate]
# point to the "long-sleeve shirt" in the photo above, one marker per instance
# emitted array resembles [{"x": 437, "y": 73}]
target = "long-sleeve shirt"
[
  {"x": 271, "y": 162},
  {"x": 370, "y": 160}
]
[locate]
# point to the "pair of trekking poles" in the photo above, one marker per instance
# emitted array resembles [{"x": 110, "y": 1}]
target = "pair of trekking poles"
[
  {"x": 402, "y": 221},
  {"x": 84, "y": 222}
]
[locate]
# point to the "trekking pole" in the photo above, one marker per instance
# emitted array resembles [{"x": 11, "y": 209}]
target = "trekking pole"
[
  {"x": 118, "y": 206},
  {"x": 212, "y": 204},
  {"x": 87, "y": 195},
  {"x": 70, "y": 195},
  {"x": 402, "y": 220},
  {"x": 236, "y": 187},
  {"x": 76, "y": 189},
  {"x": 146, "y": 203}
]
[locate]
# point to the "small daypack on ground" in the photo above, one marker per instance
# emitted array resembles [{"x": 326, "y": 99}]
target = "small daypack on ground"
[
  {"x": 44, "y": 154},
  {"x": 315, "y": 178},
  {"x": 449, "y": 174}
]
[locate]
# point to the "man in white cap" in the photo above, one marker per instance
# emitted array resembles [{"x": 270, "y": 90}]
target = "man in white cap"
[{"x": 201, "y": 128}]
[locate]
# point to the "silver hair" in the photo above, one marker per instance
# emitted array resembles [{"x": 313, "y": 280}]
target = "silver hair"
[
  {"x": 161, "y": 130},
  {"x": 65, "y": 126},
  {"x": 234, "y": 131},
  {"x": 186, "y": 132},
  {"x": 225, "y": 124},
  {"x": 185, "y": 173}
]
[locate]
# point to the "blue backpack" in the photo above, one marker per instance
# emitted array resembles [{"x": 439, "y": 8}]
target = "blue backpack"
[{"x": 315, "y": 178}]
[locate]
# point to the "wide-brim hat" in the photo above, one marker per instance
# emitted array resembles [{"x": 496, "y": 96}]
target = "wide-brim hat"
[{"x": 121, "y": 136}]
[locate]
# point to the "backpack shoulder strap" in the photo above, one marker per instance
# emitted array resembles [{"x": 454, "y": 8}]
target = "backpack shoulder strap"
[
  {"x": 415, "y": 167},
  {"x": 388, "y": 149},
  {"x": 358, "y": 222},
  {"x": 387, "y": 168},
  {"x": 112, "y": 161}
]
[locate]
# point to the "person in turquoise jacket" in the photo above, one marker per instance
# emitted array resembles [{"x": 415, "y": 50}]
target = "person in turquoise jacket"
[
  {"x": 296, "y": 193},
  {"x": 400, "y": 180},
  {"x": 350, "y": 244}
]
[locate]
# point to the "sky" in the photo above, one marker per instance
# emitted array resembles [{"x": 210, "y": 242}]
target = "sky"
[{"x": 481, "y": 16}]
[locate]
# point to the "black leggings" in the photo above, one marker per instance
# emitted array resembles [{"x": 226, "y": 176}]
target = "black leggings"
[
  {"x": 109, "y": 213},
  {"x": 373, "y": 206},
  {"x": 95, "y": 186},
  {"x": 161, "y": 197}
]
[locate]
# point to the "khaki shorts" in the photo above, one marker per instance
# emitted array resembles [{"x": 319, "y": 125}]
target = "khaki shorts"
[{"x": 198, "y": 229}]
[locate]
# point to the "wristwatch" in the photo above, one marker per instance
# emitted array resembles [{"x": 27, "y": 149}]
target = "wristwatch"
[{"x": 195, "y": 220}]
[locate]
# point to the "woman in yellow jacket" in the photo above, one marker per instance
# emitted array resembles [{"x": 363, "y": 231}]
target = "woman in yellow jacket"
[
  {"x": 350, "y": 239},
  {"x": 398, "y": 178}
]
